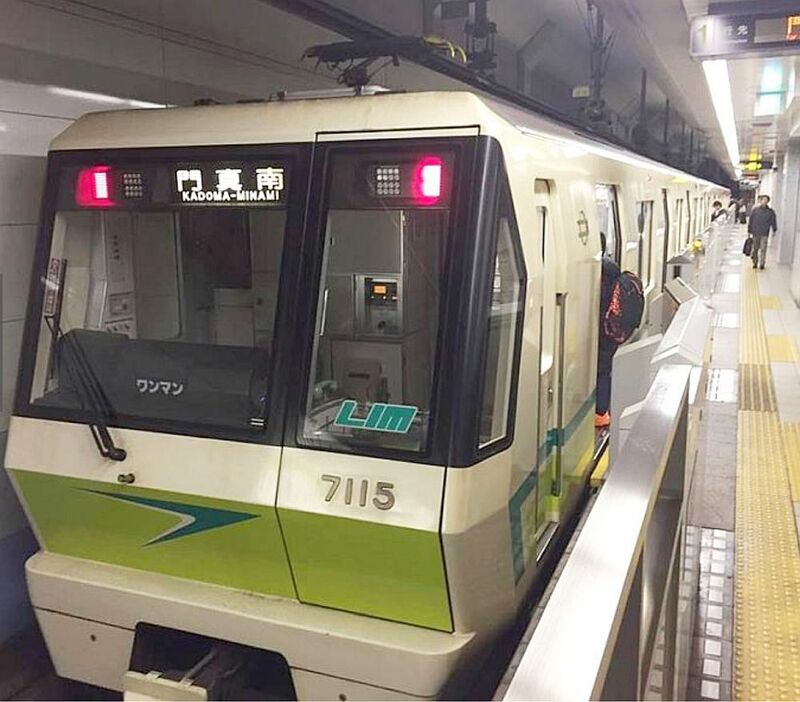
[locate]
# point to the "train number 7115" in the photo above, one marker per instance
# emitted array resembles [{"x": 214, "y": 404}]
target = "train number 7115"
[{"x": 382, "y": 493}]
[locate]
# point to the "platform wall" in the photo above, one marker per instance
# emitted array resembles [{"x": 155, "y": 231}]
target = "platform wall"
[{"x": 21, "y": 178}]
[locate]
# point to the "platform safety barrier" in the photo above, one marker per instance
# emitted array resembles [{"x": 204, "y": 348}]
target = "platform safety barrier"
[
  {"x": 711, "y": 261},
  {"x": 620, "y": 586}
]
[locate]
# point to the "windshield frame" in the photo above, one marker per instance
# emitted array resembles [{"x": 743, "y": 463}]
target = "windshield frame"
[
  {"x": 462, "y": 239},
  {"x": 299, "y": 155}
]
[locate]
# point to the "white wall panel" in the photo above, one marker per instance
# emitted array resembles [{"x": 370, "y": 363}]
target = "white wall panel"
[
  {"x": 34, "y": 100},
  {"x": 17, "y": 243},
  {"x": 21, "y": 184},
  {"x": 11, "y": 333},
  {"x": 28, "y": 135}
]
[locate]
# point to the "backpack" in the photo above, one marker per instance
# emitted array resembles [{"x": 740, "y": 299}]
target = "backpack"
[{"x": 625, "y": 308}]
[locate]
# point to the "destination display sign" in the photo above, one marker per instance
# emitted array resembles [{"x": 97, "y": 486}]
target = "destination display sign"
[
  {"x": 231, "y": 184},
  {"x": 739, "y": 36}
]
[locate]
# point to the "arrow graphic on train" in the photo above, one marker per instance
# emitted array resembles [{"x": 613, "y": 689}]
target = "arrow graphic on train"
[{"x": 192, "y": 519}]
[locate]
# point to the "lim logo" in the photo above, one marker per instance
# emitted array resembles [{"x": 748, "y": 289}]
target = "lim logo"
[{"x": 381, "y": 417}]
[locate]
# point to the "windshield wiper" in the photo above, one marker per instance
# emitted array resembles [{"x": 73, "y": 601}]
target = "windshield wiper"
[{"x": 92, "y": 395}]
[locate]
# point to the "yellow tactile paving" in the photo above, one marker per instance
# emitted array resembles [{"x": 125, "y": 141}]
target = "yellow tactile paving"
[
  {"x": 770, "y": 302},
  {"x": 782, "y": 348},
  {"x": 791, "y": 442},
  {"x": 752, "y": 339},
  {"x": 767, "y": 584},
  {"x": 756, "y": 391}
]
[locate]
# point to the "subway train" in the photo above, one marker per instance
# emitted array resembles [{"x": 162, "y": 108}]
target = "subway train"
[{"x": 307, "y": 386}]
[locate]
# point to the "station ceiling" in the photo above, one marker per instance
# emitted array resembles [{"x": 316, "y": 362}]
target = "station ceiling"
[{"x": 258, "y": 50}]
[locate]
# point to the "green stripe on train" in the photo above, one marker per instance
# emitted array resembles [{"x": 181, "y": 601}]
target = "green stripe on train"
[
  {"x": 381, "y": 570},
  {"x": 239, "y": 547},
  {"x": 378, "y": 570}
]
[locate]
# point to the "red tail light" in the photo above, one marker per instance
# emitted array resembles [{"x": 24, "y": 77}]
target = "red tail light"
[
  {"x": 428, "y": 180},
  {"x": 93, "y": 188}
]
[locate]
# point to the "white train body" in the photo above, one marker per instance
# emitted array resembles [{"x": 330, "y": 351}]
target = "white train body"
[{"x": 356, "y": 393}]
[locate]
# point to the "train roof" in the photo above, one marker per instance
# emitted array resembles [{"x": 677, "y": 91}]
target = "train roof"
[{"x": 293, "y": 121}]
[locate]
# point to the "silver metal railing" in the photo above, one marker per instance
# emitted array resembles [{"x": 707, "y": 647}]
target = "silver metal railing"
[{"x": 620, "y": 585}]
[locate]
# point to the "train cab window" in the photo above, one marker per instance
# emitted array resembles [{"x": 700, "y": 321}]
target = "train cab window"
[
  {"x": 380, "y": 295},
  {"x": 608, "y": 219},
  {"x": 159, "y": 295},
  {"x": 505, "y": 310}
]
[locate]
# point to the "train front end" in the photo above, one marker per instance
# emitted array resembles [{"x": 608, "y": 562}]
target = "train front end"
[{"x": 265, "y": 407}]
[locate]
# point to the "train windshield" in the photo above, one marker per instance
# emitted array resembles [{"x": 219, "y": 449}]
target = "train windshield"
[
  {"x": 385, "y": 227},
  {"x": 160, "y": 291}
]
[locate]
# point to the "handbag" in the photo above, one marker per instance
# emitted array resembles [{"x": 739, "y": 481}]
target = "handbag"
[{"x": 747, "y": 249}]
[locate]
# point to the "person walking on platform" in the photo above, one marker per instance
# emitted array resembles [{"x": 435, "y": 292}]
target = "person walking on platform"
[
  {"x": 717, "y": 211},
  {"x": 762, "y": 220}
]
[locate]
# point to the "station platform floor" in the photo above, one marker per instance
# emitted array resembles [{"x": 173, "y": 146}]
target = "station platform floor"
[{"x": 744, "y": 508}]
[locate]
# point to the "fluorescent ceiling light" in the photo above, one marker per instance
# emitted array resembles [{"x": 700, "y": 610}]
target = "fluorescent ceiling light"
[
  {"x": 768, "y": 104},
  {"x": 84, "y": 95},
  {"x": 100, "y": 98},
  {"x": 144, "y": 104},
  {"x": 719, "y": 85},
  {"x": 772, "y": 77}
]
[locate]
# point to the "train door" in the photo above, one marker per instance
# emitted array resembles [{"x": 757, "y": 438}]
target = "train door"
[
  {"x": 644, "y": 226},
  {"x": 665, "y": 250},
  {"x": 362, "y": 473},
  {"x": 551, "y": 395},
  {"x": 608, "y": 220}
]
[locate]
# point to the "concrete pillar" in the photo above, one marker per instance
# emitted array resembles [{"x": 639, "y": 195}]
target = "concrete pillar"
[
  {"x": 778, "y": 176},
  {"x": 788, "y": 209}
]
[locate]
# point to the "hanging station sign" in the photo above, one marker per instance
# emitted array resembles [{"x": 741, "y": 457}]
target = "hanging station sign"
[{"x": 743, "y": 35}]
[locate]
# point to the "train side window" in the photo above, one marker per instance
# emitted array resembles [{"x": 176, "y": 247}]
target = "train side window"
[
  {"x": 644, "y": 225},
  {"x": 678, "y": 224},
  {"x": 689, "y": 219},
  {"x": 608, "y": 219},
  {"x": 541, "y": 215},
  {"x": 505, "y": 312}
]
